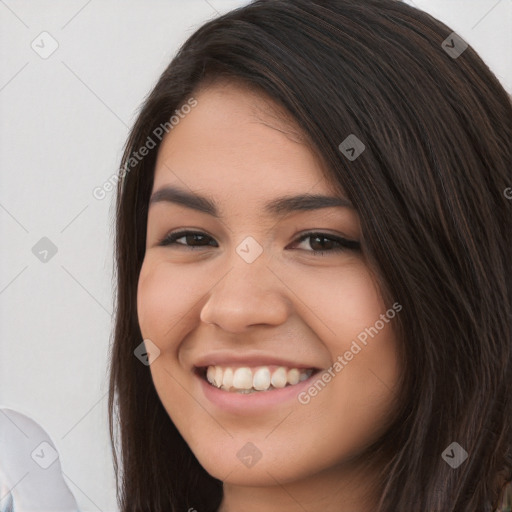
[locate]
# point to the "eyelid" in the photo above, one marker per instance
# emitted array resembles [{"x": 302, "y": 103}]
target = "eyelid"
[
  {"x": 344, "y": 243},
  {"x": 174, "y": 235}
]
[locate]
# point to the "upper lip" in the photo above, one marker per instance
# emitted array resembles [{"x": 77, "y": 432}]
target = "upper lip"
[{"x": 239, "y": 360}]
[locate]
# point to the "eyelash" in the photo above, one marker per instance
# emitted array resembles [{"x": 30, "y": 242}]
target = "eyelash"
[{"x": 343, "y": 243}]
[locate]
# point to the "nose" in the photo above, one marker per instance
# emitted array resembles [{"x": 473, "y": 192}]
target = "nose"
[{"x": 249, "y": 294}]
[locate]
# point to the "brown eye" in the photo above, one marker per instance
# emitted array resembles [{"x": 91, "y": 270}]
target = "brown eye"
[
  {"x": 321, "y": 243},
  {"x": 191, "y": 239}
]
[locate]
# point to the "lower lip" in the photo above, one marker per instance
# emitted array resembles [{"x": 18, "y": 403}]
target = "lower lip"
[{"x": 240, "y": 403}]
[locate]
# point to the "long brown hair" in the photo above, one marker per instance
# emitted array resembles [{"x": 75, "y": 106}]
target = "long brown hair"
[{"x": 430, "y": 190}]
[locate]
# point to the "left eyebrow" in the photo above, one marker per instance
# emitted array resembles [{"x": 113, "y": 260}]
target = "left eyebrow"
[
  {"x": 288, "y": 204},
  {"x": 275, "y": 207}
]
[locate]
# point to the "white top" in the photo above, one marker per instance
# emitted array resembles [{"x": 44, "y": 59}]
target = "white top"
[{"x": 31, "y": 478}]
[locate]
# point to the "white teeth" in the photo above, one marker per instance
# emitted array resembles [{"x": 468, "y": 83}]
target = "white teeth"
[
  {"x": 247, "y": 380},
  {"x": 242, "y": 378},
  {"x": 210, "y": 374},
  {"x": 227, "y": 379},
  {"x": 279, "y": 378},
  {"x": 261, "y": 379},
  {"x": 217, "y": 378},
  {"x": 293, "y": 376}
]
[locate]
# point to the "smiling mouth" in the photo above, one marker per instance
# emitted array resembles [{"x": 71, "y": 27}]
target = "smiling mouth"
[{"x": 247, "y": 380}]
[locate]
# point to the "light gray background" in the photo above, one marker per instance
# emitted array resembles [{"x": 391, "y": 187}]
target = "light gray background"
[{"x": 63, "y": 122}]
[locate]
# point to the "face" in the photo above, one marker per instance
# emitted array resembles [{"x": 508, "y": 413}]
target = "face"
[{"x": 248, "y": 296}]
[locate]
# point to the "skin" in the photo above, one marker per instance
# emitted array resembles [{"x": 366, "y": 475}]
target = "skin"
[{"x": 236, "y": 148}]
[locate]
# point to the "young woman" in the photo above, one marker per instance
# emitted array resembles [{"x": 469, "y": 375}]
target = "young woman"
[{"x": 313, "y": 247}]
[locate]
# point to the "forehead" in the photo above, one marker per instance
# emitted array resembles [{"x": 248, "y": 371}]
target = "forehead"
[{"x": 238, "y": 139}]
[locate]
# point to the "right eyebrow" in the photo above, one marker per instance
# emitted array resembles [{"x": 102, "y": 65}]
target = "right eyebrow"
[
  {"x": 275, "y": 207},
  {"x": 190, "y": 200}
]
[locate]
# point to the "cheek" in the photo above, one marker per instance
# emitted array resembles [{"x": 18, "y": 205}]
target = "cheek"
[
  {"x": 165, "y": 305},
  {"x": 164, "y": 297},
  {"x": 346, "y": 308},
  {"x": 342, "y": 301}
]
